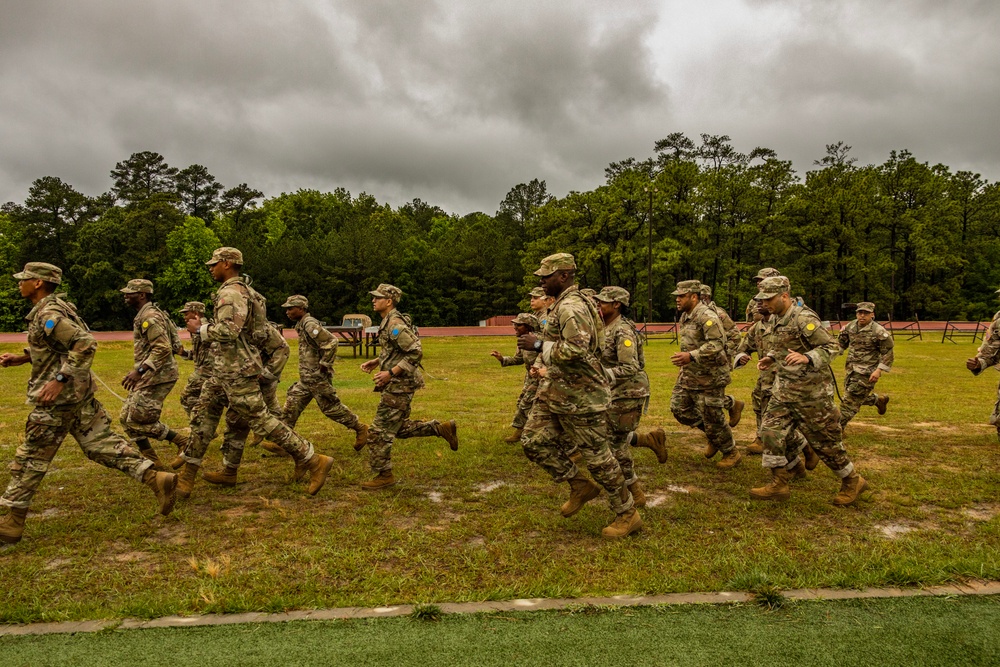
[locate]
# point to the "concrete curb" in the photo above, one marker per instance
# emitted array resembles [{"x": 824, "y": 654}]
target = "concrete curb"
[{"x": 536, "y": 604}]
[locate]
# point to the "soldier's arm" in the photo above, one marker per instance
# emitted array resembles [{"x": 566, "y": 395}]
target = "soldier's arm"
[
  {"x": 748, "y": 345},
  {"x": 161, "y": 349},
  {"x": 325, "y": 341},
  {"x": 279, "y": 358},
  {"x": 824, "y": 346},
  {"x": 80, "y": 344},
  {"x": 231, "y": 312},
  {"x": 988, "y": 352},
  {"x": 408, "y": 343},
  {"x": 628, "y": 359},
  {"x": 844, "y": 339},
  {"x": 516, "y": 360},
  {"x": 887, "y": 356},
  {"x": 575, "y": 334},
  {"x": 714, "y": 343}
]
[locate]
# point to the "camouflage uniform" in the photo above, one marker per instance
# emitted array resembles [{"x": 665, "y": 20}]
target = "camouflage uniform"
[
  {"x": 61, "y": 347},
  {"x": 699, "y": 394},
  {"x": 988, "y": 355},
  {"x": 153, "y": 349},
  {"x": 623, "y": 359},
  {"x": 751, "y": 310},
  {"x": 733, "y": 336},
  {"x": 199, "y": 354},
  {"x": 802, "y": 395},
  {"x": 869, "y": 348},
  {"x": 317, "y": 353},
  {"x": 573, "y": 398},
  {"x": 400, "y": 347},
  {"x": 526, "y": 358}
]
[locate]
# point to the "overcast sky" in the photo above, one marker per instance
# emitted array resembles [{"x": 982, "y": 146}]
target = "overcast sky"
[{"x": 454, "y": 102}]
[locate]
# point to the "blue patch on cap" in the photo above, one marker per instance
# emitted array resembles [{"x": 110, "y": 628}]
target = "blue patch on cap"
[
  {"x": 395, "y": 332},
  {"x": 51, "y": 324}
]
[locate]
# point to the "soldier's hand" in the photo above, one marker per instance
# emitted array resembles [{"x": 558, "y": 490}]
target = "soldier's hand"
[
  {"x": 192, "y": 326},
  {"x": 527, "y": 341},
  {"x": 131, "y": 380},
  {"x": 496, "y": 355},
  {"x": 11, "y": 359},
  {"x": 369, "y": 365},
  {"x": 382, "y": 378},
  {"x": 765, "y": 363},
  {"x": 795, "y": 358},
  {"x": 741, "y": 361},
  {"x": 873, "y": 378},
  {"x": 680, "y": 358},
  {"x": 972, "y": 364},
  {"x": 50, "y": 392}
]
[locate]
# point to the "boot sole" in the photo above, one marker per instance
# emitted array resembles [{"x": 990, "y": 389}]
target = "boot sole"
[
  {"x": 634, "y": 528},
  {"x": 737, "y": 414},
  {"x": 776, "y": 496},
  {"x": 728, "y": 466},
  {"x": 379, "y": 487},
  {"x": 862, "y": 489},
  {"x": 881, "y": 409}
]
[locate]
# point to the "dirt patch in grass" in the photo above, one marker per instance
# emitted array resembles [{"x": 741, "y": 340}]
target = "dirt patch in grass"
[{"x": 981, "y": 512}]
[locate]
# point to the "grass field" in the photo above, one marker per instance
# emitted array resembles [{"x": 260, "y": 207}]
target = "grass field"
[
  {"x": 483, "y": 523},
  {"x": 929, "y": 631}
]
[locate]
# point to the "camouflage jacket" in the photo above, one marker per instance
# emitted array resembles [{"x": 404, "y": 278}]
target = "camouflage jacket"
[
  {"x": 622, "y": 356},
  {"x": 757, "y": 340},
  {"x": 526, "y": 357},
  {"x": 573, "y": 337},
  {"x": 703, "y": 337},
  {"x": 59, "y": 342},
  {"x": 400, "y": 346},
  {"x": 152, "y": 346},
  {"x": 751, "y": 309},
  {"x": 800, "y": 330},
  {"x": 868, "y": 348},
  {"x": 733, "y": 336},
  {"x": 274, "y": 353},
  {"x": 199, "y": 352},
  {"x": 233, "y": 354},
  {"x": 317, "y": 351},
  {"x": 988, "y": 353}
]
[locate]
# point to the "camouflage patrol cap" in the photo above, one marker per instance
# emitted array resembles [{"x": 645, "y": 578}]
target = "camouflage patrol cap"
[
  {"x": 387, "y": 291},
  {"x": 611, "y": 294},
  {"x": 527, "y": 319},
  {"x": 705, "y": 290},
  {"x": 226, "y": 254},
  {"x": 50, "y": 273},
  {"x": 296, "y": 301},
  {"x": 773, "y": 286},
  {"x": 194, "y": 307},
  {"x": 765, "y": 273},
  {"x": 866, "y": 306},
  {"x": 538, "y": 292},
  {"x": 138, "y": 286},
  {"x": 687, "y": 287},
  {"x": 589, "y": 293},
  {"x": 561, "y": 261}
]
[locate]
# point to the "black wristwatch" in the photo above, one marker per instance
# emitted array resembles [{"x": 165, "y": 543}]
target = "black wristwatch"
[
  {"x": 142, "y": 369},
  {"x": 61, "y": 378},
  {"x": 538, "y": 345}
]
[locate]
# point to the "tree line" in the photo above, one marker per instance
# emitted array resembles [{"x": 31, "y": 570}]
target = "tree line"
[{"x": 918, "y": 240}]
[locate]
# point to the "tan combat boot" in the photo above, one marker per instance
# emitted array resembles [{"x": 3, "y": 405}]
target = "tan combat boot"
[
  {"x": 638, "y": 496},
  {"x": 361, "y": 437},
  {"x": 851, "y": 488},
  {"x": 274, "y": 449},
  {"x": 710, "y": 450},
  {"x": 730, "y": 459},
  {"x": 777, "y": 489},
  {"x": 225, "y": 477},
  {"x": 449, "y": 431},
  {"x": 811, "y": 457},
  {"x": 881, "y": 402},
  {"x": 655, "y": 440},
  {"x": 756, "y": 447},
  {"x": 515, "y": 435},
  {"x": 380, "y": 481},
  {"x": 625, "y": 523},
  {"x": 185, "y": 480},
  {"x": 319, "y": 468},
  {"x": 799, "y": 471},
  {"x": 736, "y": 413},
  {"x": 164, "y": 485},
  {"x": 181, "y": 439},
  {"x": 581, "y": 491},
  {"x": 12, "y": 525},
  {"x": 576, "y": 457},
  {"x": 178, "y": 460},
  {"x": 150, "y": 455}
]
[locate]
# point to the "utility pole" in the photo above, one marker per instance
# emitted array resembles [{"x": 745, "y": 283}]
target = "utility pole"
[{"x": 649, "y": 261}]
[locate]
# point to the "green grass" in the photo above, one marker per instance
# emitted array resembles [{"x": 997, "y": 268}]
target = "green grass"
[
  {"x": 484, "y": 523},
  {"x": 912, "y": 631}
]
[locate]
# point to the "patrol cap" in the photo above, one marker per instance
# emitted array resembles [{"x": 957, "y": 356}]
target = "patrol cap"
[
  {"x": 226, "y": 254},
  {"x": 589, "y": 293},
  {"x": 866, "y": 306},
  {"x": 527, "y": 319},
  {"x": 773, "y": 286},
  {"x": 387, "y": 291},
  {"x": 611, "y": 294},
  {"x": 296, "y": 301},
  {"x": 765, "y": 273},
  {"x": 138, "y": 286},
  {"x": 687, "y": 287},
  {"x": 705, "y": 290},
  {"x": 538, "y": 292},
  {"x": 50, "y": 273},
  {"x": 561, "y": 261},
  {"x": 194, "y": 307}
]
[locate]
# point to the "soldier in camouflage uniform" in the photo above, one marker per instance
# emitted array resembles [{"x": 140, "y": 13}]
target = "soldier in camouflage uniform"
[
  {"x": 154, "y": 344},
  {"x": 317, "y": 353},
  {"x": 733, "y": 405},
  {"x": 194, "y": 318},
  {"x": 524, "y": 323},
  {"x": 240, "y": 326},
  {"x": 625, "y": 365},
  {"x": 540, "y": 302},
  {"x": 61, "y": 389},
  {"x": 870, "y": 354},
  {"x": 699, "y": 395},
  {"x": 398, "y": 378},
  {"x": 751, "y": 311},
  {"x": 573, "y": 398},
  {"x": 988, "y": 355},
  {"x": 800, "y": 349}
]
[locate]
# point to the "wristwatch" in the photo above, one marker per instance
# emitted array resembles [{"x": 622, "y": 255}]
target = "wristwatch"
[
  {"x": 142, "y": 369},
  {"x": 538, "y": 344},
  {"x": 61, "y": 378}
]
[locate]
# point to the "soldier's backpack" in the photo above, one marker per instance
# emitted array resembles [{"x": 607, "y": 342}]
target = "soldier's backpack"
[
  {"x": 257, "y": 317},
  {"x": 175, "y": 337}
]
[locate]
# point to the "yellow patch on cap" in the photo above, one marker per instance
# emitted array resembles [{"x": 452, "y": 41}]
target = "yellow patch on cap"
[
  {"x": 810, "y": 326},
  {"x": 709, "y": 323},
  {"x": 145, "y": 325},
  {"x": 628, "y": 343}
]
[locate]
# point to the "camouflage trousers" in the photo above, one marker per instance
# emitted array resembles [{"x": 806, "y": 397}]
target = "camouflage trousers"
[
  {"x": 141, "y": 413},
  {"x": 704, "y": 409},
  {"x": 858, "y": 391},
  {"x": 301, "y": 394},
  {"x": 818, "y": 421},
  {"x": 45, "y": 431},
  {"x": 995, "y": 416},
  {"x": 796, "y": 441},
  {"x": 248, "y": 411},
  {"x": 545, "y": 442},
  {"x": 524, "y": 403},
  {"x": 623, "y": 419},
  {"x": 392, "y": 420},
  {"x": 191, "y": 392}
]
